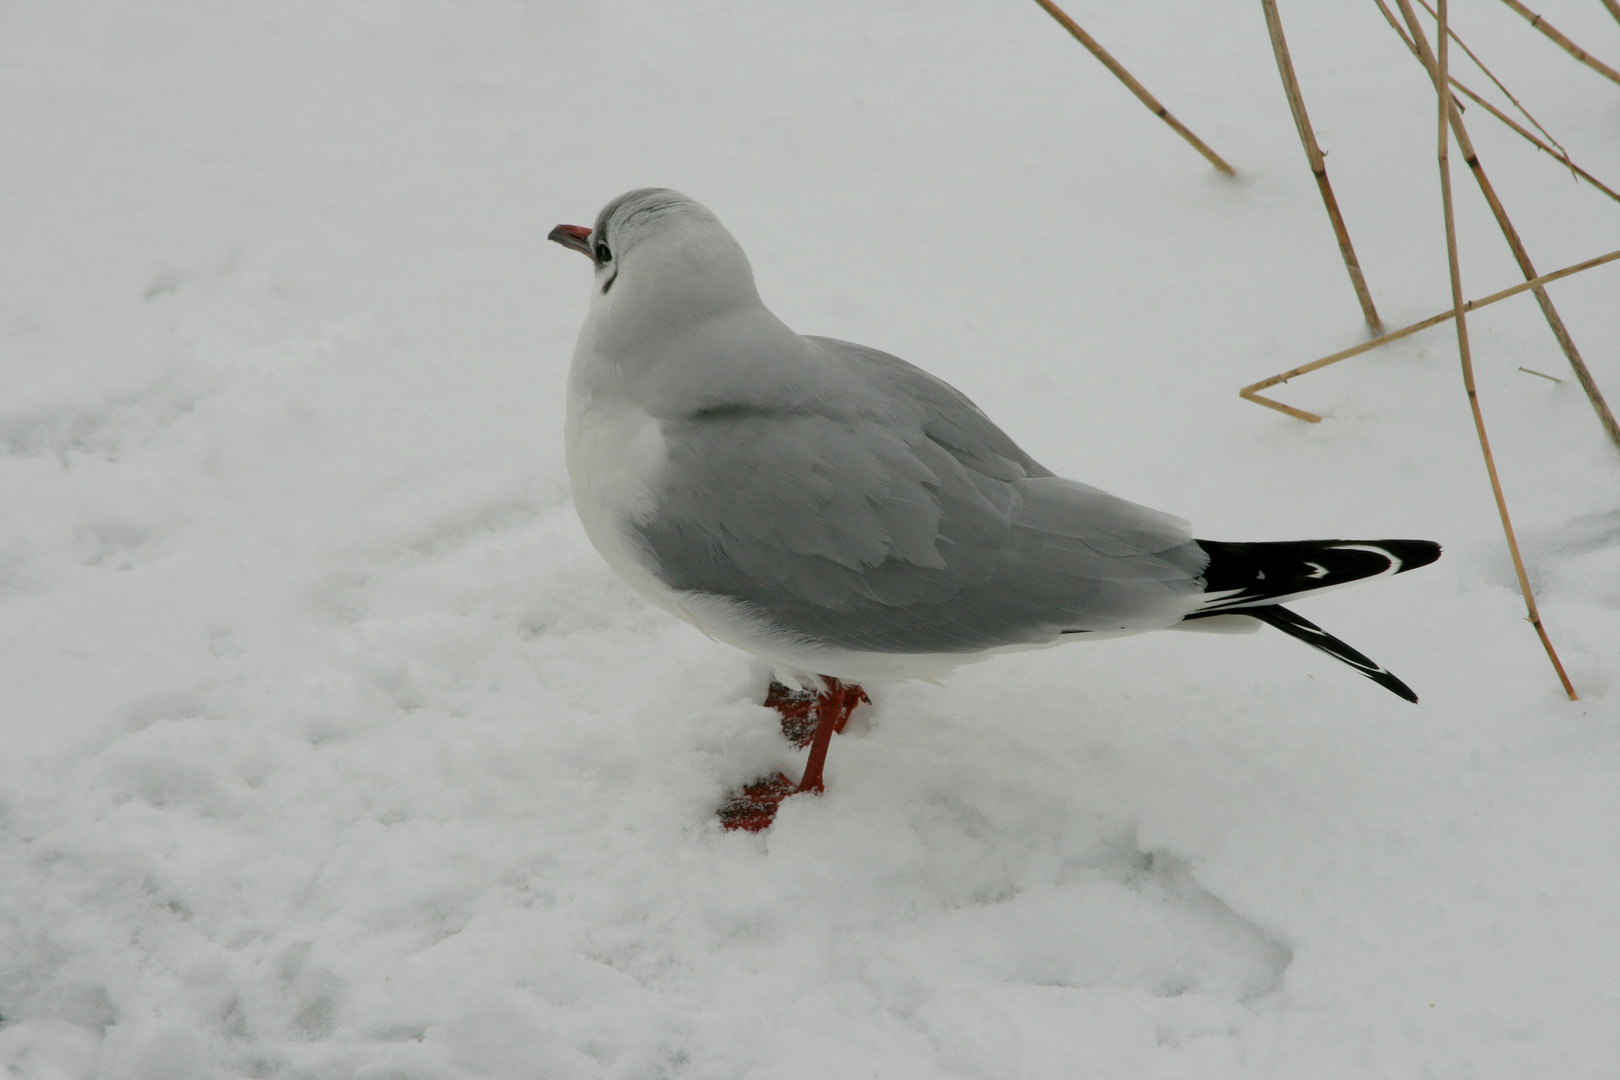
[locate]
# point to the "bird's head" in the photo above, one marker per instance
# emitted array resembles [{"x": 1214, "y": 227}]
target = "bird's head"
[{"x": 661, "y": 257}]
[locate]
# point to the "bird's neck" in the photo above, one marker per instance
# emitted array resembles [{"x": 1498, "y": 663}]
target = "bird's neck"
[
  {"x": 682, "y": 327},
  {"x": 742, "y": 355}
]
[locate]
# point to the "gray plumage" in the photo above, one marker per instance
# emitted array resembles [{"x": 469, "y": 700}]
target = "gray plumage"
[{"x": 902, "y": 520}]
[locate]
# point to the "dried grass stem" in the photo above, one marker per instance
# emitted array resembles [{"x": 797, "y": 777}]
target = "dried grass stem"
[
  {"x": 1563, "y": 42},
  {"x": 1313, "y": 154},
  {"x": 1447, "y": 123},
  {"x": 1558, "y": 153},
  {"x": 1252, "y": 392},
  {"x": 1135, "y": 87},
  {"x": 1554, "y": 321}
]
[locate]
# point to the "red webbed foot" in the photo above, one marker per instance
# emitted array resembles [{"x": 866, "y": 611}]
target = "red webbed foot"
[
  {"x": 797, "y": 709},
  {"x": 808, "y": 718},
  {"x": 753, "y": 808}
]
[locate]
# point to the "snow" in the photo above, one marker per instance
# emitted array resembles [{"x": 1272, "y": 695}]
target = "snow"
[{"x": 331, "y": 749}]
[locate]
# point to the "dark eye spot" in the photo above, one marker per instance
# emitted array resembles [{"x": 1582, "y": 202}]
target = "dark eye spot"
[{"x": 603, "y": 254}]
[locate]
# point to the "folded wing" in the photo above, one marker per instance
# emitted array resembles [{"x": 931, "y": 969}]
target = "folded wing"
[{"x": 907, "y": 524}]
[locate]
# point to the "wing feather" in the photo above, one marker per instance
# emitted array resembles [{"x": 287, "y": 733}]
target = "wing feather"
[{"x": 908, "y": 524}]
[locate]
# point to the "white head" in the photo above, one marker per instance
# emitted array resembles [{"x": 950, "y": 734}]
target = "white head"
[
  {"x": 662, "y": 260},
  {"x": 675, "y": 322}
]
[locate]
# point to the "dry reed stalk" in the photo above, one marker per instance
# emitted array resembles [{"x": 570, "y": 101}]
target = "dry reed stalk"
[
  {"x": 1560, "y": 154},
  {"x": 1491, "y": 75},
  {"x": 1313, "y": 154},
  {"x": 1614, "y": 8},
  {"x": 1509, "y": 233},
  {"x": 1252, "y": 392},
  {"x": 1135, "y": 87},
  {"x": 1567, "y": 45},
  {"x": 1447, "y": 117}
]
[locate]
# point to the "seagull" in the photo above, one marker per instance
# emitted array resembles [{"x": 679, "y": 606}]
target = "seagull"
[{"x": 848, "y": 517}]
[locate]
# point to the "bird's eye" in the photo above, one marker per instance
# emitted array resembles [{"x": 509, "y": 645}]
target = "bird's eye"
[{"x": 603, "y": 254}]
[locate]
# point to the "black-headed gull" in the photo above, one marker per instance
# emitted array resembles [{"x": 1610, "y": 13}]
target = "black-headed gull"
[{"x": 848, "y": 517}]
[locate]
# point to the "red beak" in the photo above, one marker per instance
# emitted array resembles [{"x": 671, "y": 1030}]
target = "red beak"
[{"x": 574, "y": 237}]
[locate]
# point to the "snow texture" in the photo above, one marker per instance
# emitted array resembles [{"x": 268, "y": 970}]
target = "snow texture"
[{"x": 331, "y": 749}]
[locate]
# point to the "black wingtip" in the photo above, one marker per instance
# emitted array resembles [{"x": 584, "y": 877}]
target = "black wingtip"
[
  {"x": 1393, "y": 685},
  {"x": 1411, "y": 553},
  {"x": 1311, "y": 634},
  {"x": 1244, "y": 575}
]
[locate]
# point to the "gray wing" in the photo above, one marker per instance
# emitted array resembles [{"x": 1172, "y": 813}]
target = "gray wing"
[{"x": 895, "y": 517}]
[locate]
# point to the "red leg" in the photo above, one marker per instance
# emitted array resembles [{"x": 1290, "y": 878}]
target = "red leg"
[
  {"x": 832, "y": 713},
  {"x": 754, "y": 807}
]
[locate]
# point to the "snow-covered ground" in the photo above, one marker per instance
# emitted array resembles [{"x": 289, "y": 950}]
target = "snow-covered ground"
[{"x": 329, "y": 748}]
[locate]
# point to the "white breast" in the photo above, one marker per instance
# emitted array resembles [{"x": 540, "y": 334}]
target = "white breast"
[{"x": 617, "y": 457}]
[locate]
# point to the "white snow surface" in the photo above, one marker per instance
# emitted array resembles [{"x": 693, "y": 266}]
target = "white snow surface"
[{"x": 331, "y": 749}]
